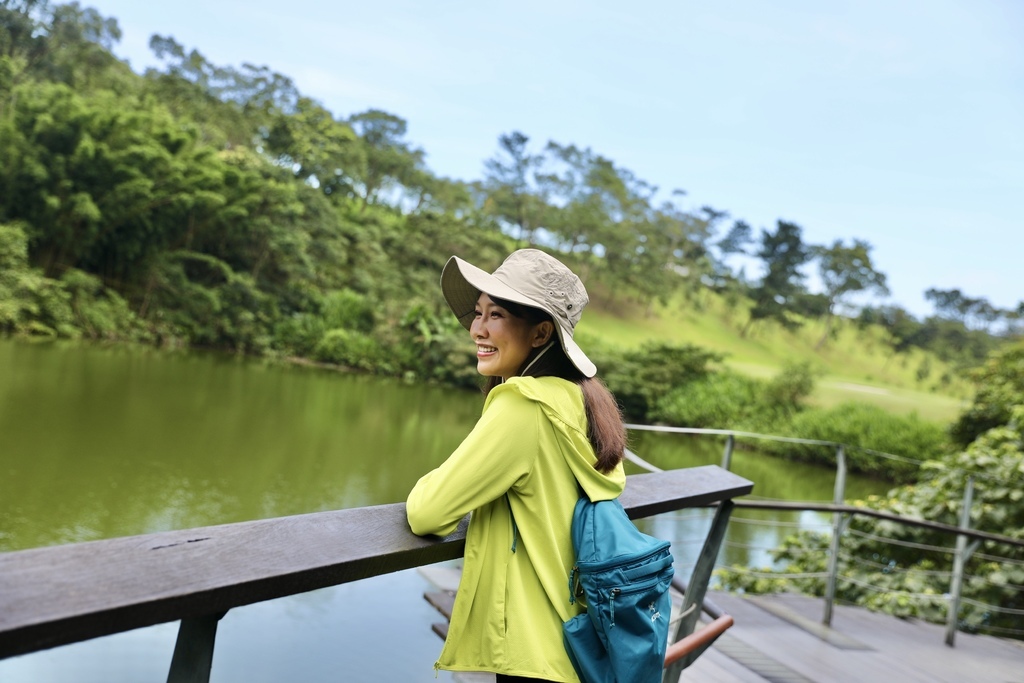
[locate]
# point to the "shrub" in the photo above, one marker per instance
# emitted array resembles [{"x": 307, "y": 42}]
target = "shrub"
[
  {"x": 1000, "y": 386},
  {"x": 785, "y": 393},
  {"x": 349, "y": 348},
  {"x": 865, "y": 426},
  {"x": 346, "y": 309},
  {"x": 640, "y": 378},
  {"x": 721, "y": 400},
  {"x": 100, "y": 313},
  {"x": 435, "y": 347},
  {"x": 30, "y": 303}
]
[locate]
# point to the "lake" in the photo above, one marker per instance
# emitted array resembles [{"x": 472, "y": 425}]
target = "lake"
[{"x": 98, "y": 442}]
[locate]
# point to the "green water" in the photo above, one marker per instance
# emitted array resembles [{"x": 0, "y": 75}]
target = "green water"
[{"x": 102, "y": 442}]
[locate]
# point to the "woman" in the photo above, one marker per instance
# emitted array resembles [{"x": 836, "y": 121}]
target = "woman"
[{"x": 548, "y": 429}]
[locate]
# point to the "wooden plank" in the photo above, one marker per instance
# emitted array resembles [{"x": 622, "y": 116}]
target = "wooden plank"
[
  {"x": 901, "y": 650},
  {"x": 657, "y": 492},
  {"x": 442, "y": 601},
  {"x": 64, "y": 594}
]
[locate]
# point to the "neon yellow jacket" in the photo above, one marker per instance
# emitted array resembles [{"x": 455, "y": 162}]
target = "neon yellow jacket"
[{"x": 531, "y": 443}]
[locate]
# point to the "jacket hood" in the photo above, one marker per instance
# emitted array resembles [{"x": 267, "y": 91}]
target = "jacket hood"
[{"x": 562, "y": 402}]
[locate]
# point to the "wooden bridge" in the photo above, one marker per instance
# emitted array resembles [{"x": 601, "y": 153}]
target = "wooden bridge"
[{"x": 65, "y": 594}]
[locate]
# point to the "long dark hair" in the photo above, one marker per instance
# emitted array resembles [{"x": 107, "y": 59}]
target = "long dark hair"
[{"x": 605, "y": 428}]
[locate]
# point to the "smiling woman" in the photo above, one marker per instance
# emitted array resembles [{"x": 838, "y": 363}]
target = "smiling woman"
[
  {"x": 506, "y": 334},
  {"x": 549, "y": 429}
]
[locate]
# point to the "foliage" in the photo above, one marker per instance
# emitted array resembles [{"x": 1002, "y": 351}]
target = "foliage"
[
  {"x": 844, "y": 271},
  {"x": 30, "y": 303},
  {"x": 219, "y": 205},
  {"x": 783, "y": 252},
  {"x": 720, "y": 400},
  {"x": 866, "y": 428},
  {"x": 1000, "y": 387},
  {"x": 639, "y": 378},
  {"x": 906, "y": 577}
]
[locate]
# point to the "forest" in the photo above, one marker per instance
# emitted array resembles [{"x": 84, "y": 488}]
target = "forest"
[
  {"x": 208, "y": 206},
  {"x": 216, "y": 206}
]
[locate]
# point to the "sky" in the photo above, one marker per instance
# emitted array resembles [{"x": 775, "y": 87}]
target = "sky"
[{"x": 899, "y": 122}]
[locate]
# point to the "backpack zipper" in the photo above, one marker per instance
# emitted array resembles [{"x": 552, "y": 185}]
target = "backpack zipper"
[{"x": 611, "y": 612}]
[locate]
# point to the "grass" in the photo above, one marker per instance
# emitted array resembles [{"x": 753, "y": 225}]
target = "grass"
[{"x": 854, "y": 365}]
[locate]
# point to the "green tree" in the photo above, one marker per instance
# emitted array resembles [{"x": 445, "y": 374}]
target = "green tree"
[
  {"x": 846, "y": 270},
  {"x": 510, "y": 181},
  {"x": 783, "y": 253},
  {"x": 387, "y": 161}
]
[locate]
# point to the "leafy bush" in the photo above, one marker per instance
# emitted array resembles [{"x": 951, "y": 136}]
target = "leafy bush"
[
  {"x": 30, "y": 303},
  {"x": 346, "y": 309},
  {"x": 865, "y": 426},
  {"x": 785, "y": 393},
  {"x": 101, "y": 313},
  {"x": 1000, "y": 386},
  {"x": 200, "y": 298},
  {"x": 721, "y": 400},
  {"x": 435, "y": 347},
  {"x": 350, "y": 348},
  {"x": 640, "y": 378}
]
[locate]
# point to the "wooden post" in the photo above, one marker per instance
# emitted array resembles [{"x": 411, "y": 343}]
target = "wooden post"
[
  {"x": 838, "y": 523},
  {"x": 193, "y": 651},
  {"x": 958, "y": 564},
  {"x": 730, "y": 441},
  {"x": 698, "y": 586}
]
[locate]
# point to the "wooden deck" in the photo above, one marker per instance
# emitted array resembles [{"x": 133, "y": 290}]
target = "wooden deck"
[{"x": 779, "y": 639}]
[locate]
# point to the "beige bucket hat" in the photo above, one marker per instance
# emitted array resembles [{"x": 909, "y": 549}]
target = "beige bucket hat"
[{"x": 529, "y": 277}]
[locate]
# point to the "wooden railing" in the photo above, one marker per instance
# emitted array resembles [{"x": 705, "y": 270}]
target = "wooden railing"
[{"x": 65, "y": 594}]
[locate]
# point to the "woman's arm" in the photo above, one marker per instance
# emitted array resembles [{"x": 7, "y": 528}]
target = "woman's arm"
[{"x": 499, "y": 451}]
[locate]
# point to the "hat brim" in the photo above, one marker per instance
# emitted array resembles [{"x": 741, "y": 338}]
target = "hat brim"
[{"x": 461, "y": 285}]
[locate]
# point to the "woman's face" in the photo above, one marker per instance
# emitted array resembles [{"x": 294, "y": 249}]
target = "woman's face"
[{"x": 503, "y": 341}]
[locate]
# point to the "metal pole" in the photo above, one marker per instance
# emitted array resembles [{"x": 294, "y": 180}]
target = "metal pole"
[
  {"x": 730, "y": 441},
  {"x": 838, "y": 497},
  {"x": 697, "y": 588},
  {"x": 959, "y": 559}
]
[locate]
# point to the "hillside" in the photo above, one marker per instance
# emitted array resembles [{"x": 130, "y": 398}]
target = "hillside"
[{"x": 855, "y": 365}]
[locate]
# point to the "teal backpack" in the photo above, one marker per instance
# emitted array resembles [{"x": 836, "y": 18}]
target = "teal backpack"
[{"x": 622, "y": 576}]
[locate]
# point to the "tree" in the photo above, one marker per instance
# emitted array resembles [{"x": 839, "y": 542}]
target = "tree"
[
  {"x": 953, "y": 304},
  {"x": 783, "y": 252},
  {"x": 844, "y": 271},
  {"x": 388, "y": 161},
  {"x": 736, "y": 240},
  {"x": 511, "y": 181}
]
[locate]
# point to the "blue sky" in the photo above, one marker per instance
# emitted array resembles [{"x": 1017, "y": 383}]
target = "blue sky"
[{"x": 900, "y": 122}]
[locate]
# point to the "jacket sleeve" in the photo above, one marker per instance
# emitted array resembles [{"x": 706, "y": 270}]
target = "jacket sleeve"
[{"x": 500, "y": 451}]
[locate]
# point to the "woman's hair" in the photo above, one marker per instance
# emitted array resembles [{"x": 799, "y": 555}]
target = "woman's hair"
[{"x": 605, "y": 428}]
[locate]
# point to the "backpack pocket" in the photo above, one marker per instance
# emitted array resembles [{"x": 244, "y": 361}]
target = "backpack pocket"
[
  {"x": 631, "y": 619},
  {"x": 588, "y": 654}
]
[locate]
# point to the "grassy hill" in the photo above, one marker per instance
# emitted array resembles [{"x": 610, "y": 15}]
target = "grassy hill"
[{"x": 854, "y": 365}]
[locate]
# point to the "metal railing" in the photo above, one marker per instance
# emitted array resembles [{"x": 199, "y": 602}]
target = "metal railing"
[{"x": 964, "y": 540}]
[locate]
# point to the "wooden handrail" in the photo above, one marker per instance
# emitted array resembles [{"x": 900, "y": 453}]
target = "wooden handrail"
[{"x": 64, "y": 594}]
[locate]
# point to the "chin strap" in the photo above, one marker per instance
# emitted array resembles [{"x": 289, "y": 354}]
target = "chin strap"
[{"x": 537, "y": 357}]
